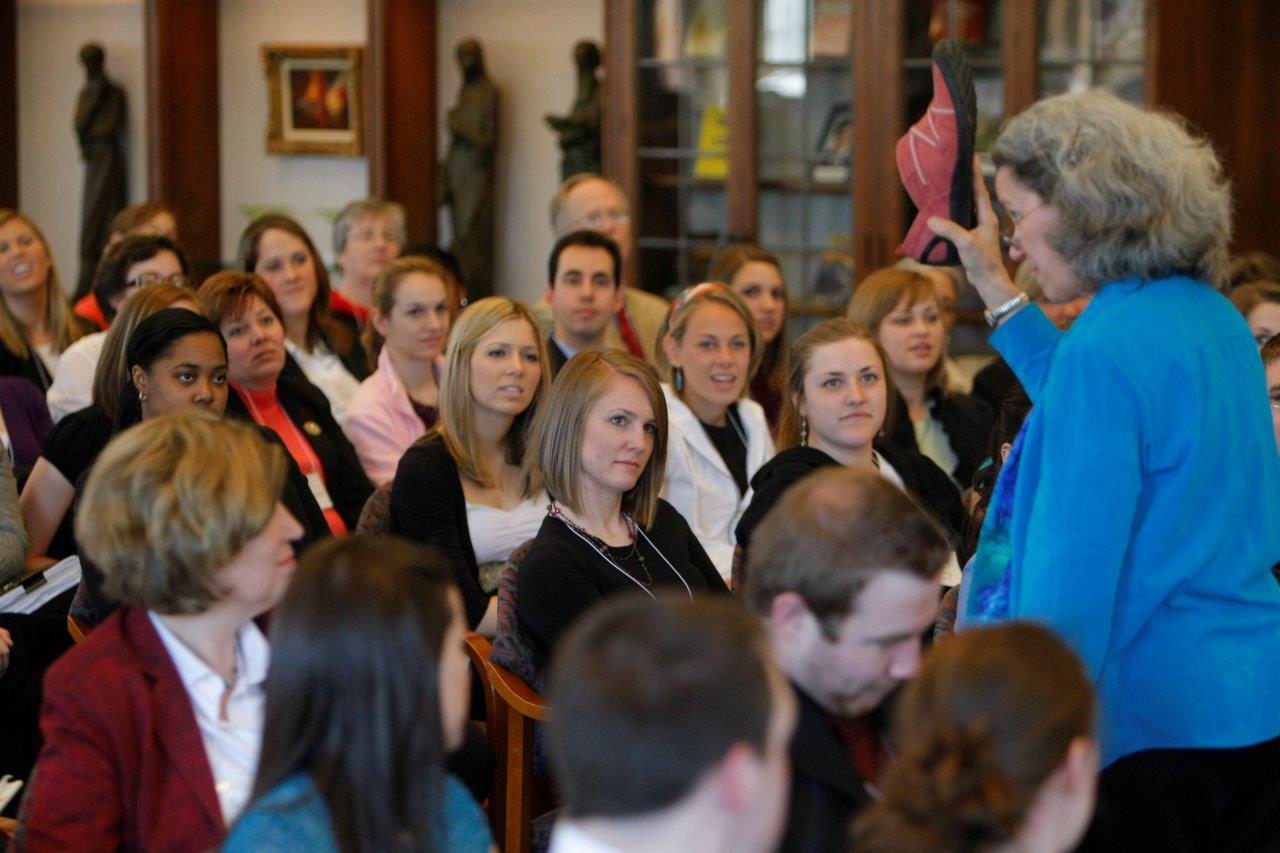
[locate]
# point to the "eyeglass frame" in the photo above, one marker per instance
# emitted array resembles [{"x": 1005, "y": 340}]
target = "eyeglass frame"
[
  {"x": 1008, "y": 237},
  {"x": 592, "y": 221},
  {"x": 177, "y": 279}
]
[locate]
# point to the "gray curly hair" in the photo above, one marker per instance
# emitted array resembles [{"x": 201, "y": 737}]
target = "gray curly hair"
[{"x": 1138, "y": 196}]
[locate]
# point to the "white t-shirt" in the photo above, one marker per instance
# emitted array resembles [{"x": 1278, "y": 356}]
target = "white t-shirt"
[
  {"x": 327, "y": 372},
  {"x": 495, "y": 533},
  {"x": 72, "y": 389},
  {"x": 232, "y": 746}
]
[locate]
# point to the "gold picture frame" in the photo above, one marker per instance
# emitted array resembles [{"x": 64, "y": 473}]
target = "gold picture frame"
[{"x": 315, "y": 99}]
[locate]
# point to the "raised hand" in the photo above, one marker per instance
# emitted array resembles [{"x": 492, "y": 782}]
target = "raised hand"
[{"x": 979, "y": 247}]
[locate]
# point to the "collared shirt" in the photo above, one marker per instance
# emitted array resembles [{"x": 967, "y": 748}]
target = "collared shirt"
[
  {"x": 327, "y": 372},
  {"x": 568, "y": 838},
  {"x": 569, "y": 352},
  {"x": 232, "y": 745}
]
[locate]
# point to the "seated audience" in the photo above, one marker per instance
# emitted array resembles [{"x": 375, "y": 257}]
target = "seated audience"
[
  {"x": 719, "y": 439},
  {"x": 947, "y": 284},
  {"x": 839, "y": 392},
  {"x": 654, "y": 756},
  {"x": 413, "y": 307},
  {"x": 137, "y": 220},
  {"x": 1252, "y": 266},
  {"x": 177, "y": 361},
  {"x": 599, "y": 441},
  {"x": 844, "y": 571},
  {"x": 994, "y": 749},
  {"x": 324, "y": 345},
  {"x": 993, "y": 382},
  {"x": 24, "y": 424},
  {"x": 584, "y": 292},
  {"x": 901, "y": 308},
  {"x": 36, "y": 323},
  {"x": 127, "y": 266},
  {"x": 756, "y": 276},
  {"x": 1271, "y": 364},
  {"x": 353, "y": 759},
  {"x": 463, "y": 488},
  {"x": 367, "y": 235},
  {"x": 153, "y": 723},
  {"x": 1259, "y": 303},
  {"x": 77, "y": 439},
  {"x": 245, "y": 310},
  {"x": 598, "y": 204}
]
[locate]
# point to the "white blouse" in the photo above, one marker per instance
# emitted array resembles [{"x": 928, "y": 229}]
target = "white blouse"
[
  {"x": 327, "y": 372},
  {"x": 495, "y": 533}
]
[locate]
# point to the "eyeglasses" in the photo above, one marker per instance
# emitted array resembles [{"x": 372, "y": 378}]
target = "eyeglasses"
[
  {"x": 598, "y": 220},
  {"x": 1009, "y": 233},
  {"x": 147, "y": 279}
]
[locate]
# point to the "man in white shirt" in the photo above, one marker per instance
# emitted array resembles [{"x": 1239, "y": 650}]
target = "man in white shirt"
[
  {"x": 669, "y": 729},
  {"x": 584, "y": 293}
]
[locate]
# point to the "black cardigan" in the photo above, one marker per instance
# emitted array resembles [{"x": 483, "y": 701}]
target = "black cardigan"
[
  {"x": 562, "y": 576},
  {"x": 306, "y": 404},
  {"x": 967, "y": 421},
  {"x": 827, "y": 792},
  {"x": 927, "y": 484},
  {"x": 12, "y": 364},
  {"x": 428, "y": 506}
]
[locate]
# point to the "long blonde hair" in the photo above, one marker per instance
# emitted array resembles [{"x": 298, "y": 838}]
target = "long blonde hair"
[
  {"x": 682, "y": 309},
  {"x": 457, "y": 424},
  {"x": 62, "y": 323}
]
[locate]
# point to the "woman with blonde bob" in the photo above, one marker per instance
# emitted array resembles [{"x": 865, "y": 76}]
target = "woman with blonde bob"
[
  {"x": 464, "y": 487},
  {"x": 901, "y": 308},
  {"x": 153, "y": 723},
  {"x": 600, "y": 439},
  {"x": 995, "y": 750},
  {"x": 1099, "y": 525},
  {"x": 710, "y": 349},
  {"x": 413, "y": 307},
  {"x": 835, "y": 413},
  {"x": 36, "y": 322}
]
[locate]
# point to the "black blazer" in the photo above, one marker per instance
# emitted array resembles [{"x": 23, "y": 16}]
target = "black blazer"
[
  {"x": 306, "y": 405},
  {"x": 967, "y": 421},
  {"x": 356, "y": 361},
  {"x": 555, "y": 356},
  {"x": 428, "y": 506},
  {"x": 993, "y": 383},
  {"x": 827, "y": 792}
]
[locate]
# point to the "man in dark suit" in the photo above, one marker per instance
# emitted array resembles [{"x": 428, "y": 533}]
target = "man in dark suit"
[
  {"x": 583, "y": 292},
  {"x": 844, "y": 570}
]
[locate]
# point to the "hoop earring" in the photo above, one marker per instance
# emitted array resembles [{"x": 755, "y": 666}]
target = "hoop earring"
[
  {"x": 804, "y": 431},
  {"x": 678, "y": 378}
]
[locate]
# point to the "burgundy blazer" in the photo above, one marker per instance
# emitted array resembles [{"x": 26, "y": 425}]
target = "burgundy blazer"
[{"x": 123, "y": 763}]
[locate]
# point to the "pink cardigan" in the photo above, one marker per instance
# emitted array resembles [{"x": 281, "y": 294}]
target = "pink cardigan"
[{"x": 381, "y": 422}]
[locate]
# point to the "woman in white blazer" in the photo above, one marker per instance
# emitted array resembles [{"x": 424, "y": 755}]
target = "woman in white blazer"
[
  {"x": 718, "y": 439},
  {"x": 413, "y": 306}
]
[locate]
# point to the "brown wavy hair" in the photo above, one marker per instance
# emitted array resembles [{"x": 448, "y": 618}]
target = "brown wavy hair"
[{"x": 773, "y": 356}]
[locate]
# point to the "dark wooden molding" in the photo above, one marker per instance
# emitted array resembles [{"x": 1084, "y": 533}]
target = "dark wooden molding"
[
  {"x": 1021, "y": 55},
  {"x": 621, "y": 107},
  {"x": 400, "y": 94},
  {"x": 741, "y": 187},
  {"x": 8, "y": 103},
  {"x": 878, "y": 204},
  {"x": 183, "y": 155}
]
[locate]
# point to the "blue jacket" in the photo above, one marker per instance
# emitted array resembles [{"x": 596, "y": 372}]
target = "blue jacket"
[{"x": 1146, "y": 512}]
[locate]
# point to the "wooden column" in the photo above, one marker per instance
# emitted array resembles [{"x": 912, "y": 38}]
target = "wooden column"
[
  {"x": 878, "y": 203},
  {"x": 1021, "y": 55},
  {"x": 741, "y": 187},
  {"x": 183, "y": 158},
  {"x": 621, "y": 109},
  {"x": 8, "y": 103},
  {"x": 1217, "y": 65},
  {"x": 401, "y": 126}
]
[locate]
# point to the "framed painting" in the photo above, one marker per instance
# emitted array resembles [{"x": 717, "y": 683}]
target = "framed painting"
[{"x": 315, "y": 100}]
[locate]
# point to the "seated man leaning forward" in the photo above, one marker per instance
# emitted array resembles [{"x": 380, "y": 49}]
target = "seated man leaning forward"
[
  {"x": 844, "y": 570},
  {"x": 669, "y": 729}
]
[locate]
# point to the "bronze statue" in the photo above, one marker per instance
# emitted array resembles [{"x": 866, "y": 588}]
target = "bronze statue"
[
  {"x": 469, "y": 170},
  {"x": 580, "y": 129},
  {"x": 100, "y": 119}
]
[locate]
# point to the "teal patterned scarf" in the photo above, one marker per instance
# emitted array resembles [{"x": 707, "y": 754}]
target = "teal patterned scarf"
[{"x": 991, "y": 568}]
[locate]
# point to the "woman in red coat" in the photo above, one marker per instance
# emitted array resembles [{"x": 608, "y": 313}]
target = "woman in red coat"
[{"x": 152, "y": 725}]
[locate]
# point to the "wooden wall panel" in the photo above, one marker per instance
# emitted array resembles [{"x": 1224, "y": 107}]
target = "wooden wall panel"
[
  {"x": 741, "y": 187},
  {"x": 8, "y": 103},
  {"x": 878, "y": 203},
  {"x": 621, "y": 108},
  {"x": 1217, "y": 64},
  {"x": 183, "y": 157},
  {"x": 401, "y": 126}
]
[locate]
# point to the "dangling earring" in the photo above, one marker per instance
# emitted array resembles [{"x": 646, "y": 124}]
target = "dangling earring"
[
  {"x": 142, "y": 398},
  {"x": 804, "y": 431},
  {"x": 678, "y": 376}
]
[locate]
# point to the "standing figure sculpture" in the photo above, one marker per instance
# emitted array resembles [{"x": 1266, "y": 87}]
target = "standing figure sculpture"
[
  {"x": 100, "y": 119},
  {"x": 580, "y": 129},
  {"x": 469, "y": 170}
]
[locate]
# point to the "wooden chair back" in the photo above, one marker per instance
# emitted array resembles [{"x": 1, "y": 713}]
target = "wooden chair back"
[{"x": 77, "y": 629}]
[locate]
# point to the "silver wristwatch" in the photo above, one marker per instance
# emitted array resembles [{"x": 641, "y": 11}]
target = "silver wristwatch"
[{"x": 995, "y": 315}]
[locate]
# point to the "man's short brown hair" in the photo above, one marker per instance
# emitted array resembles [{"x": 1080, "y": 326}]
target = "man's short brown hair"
[{"x": 833, "y": 532}]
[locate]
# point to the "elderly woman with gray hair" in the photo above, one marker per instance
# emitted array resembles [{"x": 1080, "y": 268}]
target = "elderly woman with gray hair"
[{"x": 1136, "y": 511}]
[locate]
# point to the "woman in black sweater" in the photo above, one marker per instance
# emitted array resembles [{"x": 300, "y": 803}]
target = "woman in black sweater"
[
  {"x": 600, "y": 444},
  {"x": 839, "y": 393}
]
